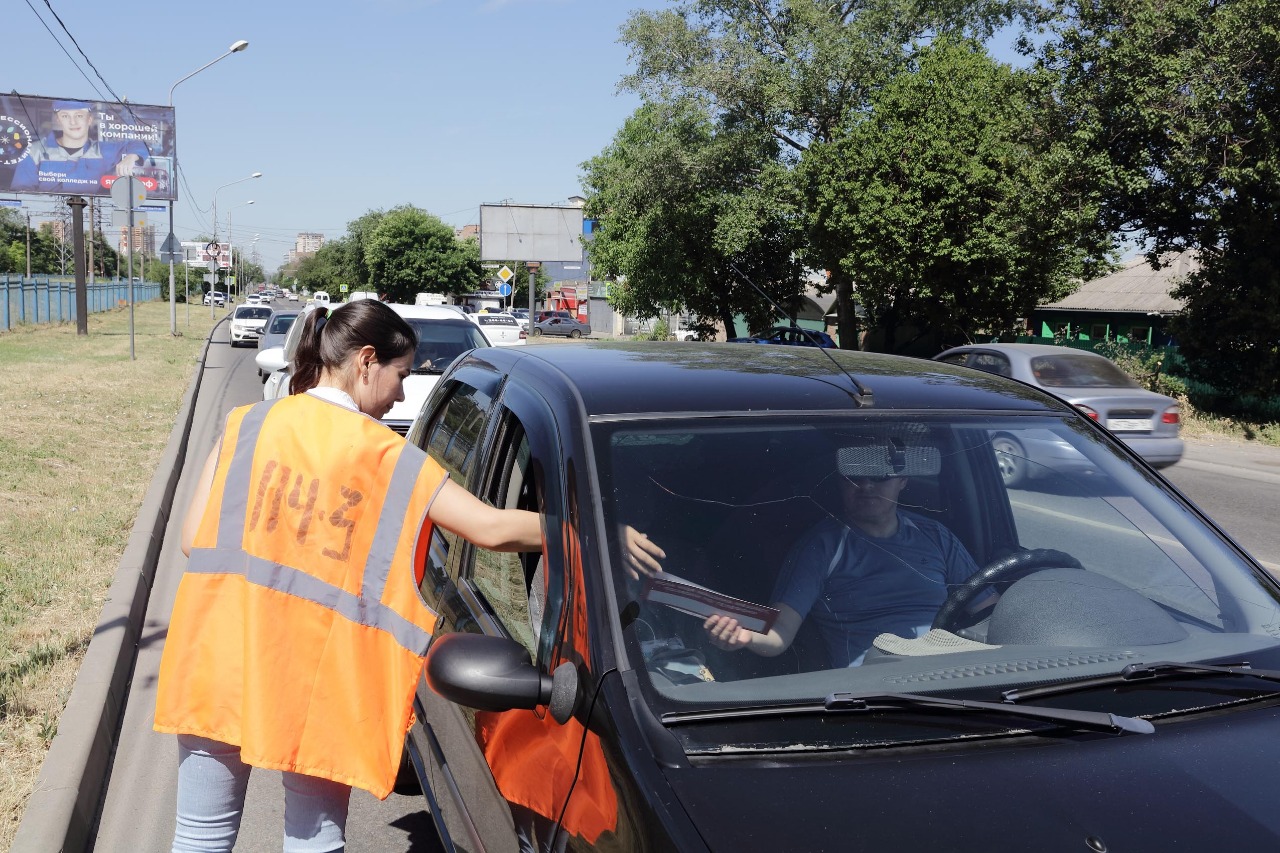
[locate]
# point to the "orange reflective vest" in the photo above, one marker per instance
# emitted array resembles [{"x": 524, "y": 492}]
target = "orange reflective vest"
[{"x": 298, "y": 633}]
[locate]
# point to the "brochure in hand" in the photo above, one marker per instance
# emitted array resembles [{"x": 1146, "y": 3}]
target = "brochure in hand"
[{"x": 689, "y": 597}]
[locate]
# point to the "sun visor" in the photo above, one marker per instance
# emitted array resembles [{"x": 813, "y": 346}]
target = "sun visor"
[{"x": 891, "y": 451}]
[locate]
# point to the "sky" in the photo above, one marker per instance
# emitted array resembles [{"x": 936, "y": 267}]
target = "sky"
[{"x": 345, "y": 107}]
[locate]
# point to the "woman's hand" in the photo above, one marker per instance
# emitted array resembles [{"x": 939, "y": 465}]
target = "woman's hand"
[{"x": 640, "y": 554}]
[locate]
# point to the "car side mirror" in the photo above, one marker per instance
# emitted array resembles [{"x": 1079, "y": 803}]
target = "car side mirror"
[
  {"x": 272, "y": 359},
  {"x": 497, "y": 674}
]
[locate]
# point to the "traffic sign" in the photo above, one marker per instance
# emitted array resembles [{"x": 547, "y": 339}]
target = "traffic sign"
[
  {"x": 342, "y": 288},
  {"x": 211, "y": 277},
  {"x": 211, "y": 266},
  {"x": 171, "y": 257},
  {"x": 504, "y": 289},
  {"x": 505, "y": 274},
  {"x": 128, "y": 192}
]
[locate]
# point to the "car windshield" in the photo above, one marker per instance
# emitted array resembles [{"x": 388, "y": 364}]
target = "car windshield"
[
  {"x": 1079, "y": 371},
  {"x": 867, "y": 530},
  {"x": 441, "y": 341},
  {"x": 246, "y": 312}
]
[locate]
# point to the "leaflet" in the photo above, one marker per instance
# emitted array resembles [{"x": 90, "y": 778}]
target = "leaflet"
[{"x": 688, "y": 597}]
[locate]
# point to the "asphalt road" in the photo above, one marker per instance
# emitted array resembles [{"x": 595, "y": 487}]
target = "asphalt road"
[
  {"x": 138, "y": 813},
  {"x": 1236, "y": 485}
]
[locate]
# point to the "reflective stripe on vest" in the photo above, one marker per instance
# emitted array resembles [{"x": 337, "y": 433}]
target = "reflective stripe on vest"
[{"x": 366, "y": 608}]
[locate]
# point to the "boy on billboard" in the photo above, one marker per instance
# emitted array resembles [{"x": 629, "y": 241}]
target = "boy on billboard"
[{"x": 69, "y": 159}]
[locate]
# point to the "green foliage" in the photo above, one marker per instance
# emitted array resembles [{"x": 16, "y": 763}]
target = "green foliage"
[
  {"x": 684, "y": 203},
  {"x": 952, "y": 203},
  {"x": 410, "y": 250},
  {"x": 1180, "y": 99},
  {"x": 794, "y": 70},
  {"x": 1150, "y": 366}
]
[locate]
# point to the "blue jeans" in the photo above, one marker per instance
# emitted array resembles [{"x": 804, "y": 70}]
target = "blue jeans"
[{"x": 212, "y": 781}]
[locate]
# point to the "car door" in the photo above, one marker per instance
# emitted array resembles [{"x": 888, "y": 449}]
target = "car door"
[{"x": 499, "y": 780}]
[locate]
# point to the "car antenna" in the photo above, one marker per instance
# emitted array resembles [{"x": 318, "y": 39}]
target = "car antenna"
[{"x": 862, "y": 394}]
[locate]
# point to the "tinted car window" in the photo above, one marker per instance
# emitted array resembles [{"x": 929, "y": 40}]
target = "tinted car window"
[
  {"x": 281, "y": 323},
  {"x": 252, "y": 312},
  {"x": 991, "y": 362},
  {"x": 1079, "y": 371},
  {"x": 441, "y": 341}
]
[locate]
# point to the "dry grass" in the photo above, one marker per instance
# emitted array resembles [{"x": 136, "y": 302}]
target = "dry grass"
[{"x": 84, "y": 427}]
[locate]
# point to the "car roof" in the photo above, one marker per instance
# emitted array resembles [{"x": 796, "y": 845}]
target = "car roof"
[
  {"x": 614, "y": 378},
  {"x": 427, "y": 312},
  {"x": 1026, "y": 350}
]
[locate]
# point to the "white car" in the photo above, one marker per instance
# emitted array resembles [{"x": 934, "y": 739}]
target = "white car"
[
  {"x": 246, "y": 324},
  {"x": 502, "y": 330},
  {"x": 443, "y": 335}
]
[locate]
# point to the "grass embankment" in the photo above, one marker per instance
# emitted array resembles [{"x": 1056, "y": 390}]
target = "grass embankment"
[{"x": 84, "y": 427}]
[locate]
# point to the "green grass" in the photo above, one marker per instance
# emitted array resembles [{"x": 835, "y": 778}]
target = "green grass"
[{"x": 84, "y": 426}]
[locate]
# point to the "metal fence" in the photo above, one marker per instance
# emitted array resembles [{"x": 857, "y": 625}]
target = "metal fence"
[{"x": 52, "y": 299}]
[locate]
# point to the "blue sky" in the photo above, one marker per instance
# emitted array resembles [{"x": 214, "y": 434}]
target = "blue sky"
[{"x": 347, "y": 106}]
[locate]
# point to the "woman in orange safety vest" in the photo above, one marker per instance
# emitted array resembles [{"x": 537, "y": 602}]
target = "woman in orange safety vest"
[{"x": 297, "y": 635}]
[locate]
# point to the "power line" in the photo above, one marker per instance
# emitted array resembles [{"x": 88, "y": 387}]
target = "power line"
[
  {"x": 87, "y": 59},
  {"x": 61, "y": 46}
]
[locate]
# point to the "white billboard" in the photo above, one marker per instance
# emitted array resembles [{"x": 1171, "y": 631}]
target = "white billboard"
[{"x": 530, "y": 232}]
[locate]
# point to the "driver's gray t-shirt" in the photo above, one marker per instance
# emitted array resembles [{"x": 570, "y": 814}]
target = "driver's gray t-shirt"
[{"x": 855, "y": 587}]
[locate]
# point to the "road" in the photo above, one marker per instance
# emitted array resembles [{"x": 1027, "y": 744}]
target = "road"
[
  {"x": 1240, "y": 490},
  {"x": 138, "y": 810}
]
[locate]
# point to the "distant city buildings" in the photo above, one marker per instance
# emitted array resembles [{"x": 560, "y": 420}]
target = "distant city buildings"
[
  {"x": 144, "y": 239},
  {"x": 308, "y": 243}
]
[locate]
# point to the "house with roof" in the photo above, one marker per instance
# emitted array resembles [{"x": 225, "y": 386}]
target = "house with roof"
[{"x": 1132, "y": 305}]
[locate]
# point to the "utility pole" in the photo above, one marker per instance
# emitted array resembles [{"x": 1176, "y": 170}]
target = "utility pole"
[
  {"x": 93, "y": 236},
  {"x": 76, "y": 204},
  {"x": 28, "y": 244}
]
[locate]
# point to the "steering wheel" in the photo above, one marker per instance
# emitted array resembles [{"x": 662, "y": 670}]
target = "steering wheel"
[{"x": 1000, "y": 573}]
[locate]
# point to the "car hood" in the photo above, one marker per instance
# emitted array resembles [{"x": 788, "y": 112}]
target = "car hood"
[{"x": 1192, "y": 785}]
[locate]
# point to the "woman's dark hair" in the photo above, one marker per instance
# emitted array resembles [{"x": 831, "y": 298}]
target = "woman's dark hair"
[{"x": 328, "y": 339}]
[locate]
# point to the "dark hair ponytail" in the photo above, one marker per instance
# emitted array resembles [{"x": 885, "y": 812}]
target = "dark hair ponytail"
[{"x": 329, "y": 337}]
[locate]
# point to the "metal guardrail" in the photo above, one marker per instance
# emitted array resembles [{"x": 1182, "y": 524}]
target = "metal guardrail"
[{"x": 52, "y": 299}]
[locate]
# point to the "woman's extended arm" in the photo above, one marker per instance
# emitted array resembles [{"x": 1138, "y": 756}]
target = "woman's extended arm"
[{"x": 457, "y": 510}]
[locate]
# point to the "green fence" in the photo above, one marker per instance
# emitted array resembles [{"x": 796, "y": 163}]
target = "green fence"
[{"x": 52, "y": 299}]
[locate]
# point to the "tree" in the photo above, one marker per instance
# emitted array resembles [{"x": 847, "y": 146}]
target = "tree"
[
  {"x": 952, "y": 202},
  {"x": 685, "y": 208},
  {"x": 794, "y": 69},
  {"x": 1181, "y": 101},
  {"x": 409, "y": 250}
]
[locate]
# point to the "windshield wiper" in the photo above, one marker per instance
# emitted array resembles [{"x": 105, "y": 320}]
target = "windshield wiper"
[
  {"x": 1136, "y": 672},
  {"x": 853, "y": 702}
]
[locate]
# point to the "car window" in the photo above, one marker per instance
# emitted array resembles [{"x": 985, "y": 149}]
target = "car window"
[
  {"x": 511, "y": 584},
  {"x": 991, "y": 362},
  {"x": 251, "y": 312},
  {"x": 453, "y": 436},
  {"x": 442, "y": 341},
  {"x": 1079, "y": 371},
  {"x": 281, "y": 323},
  {"x": 960, "y": 358}
]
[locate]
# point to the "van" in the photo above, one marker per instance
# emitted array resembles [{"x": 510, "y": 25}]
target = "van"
[{"x": 320, "y": 298}]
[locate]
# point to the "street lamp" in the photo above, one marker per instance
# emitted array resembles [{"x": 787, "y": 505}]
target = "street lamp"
[
  {"x": 173, "y": 305},
  {"x": 231, "y": 246},
  {"x": 215, "y": 201}
]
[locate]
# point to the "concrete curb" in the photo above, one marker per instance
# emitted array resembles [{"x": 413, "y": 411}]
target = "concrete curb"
[{"x": 63, "y": 808}]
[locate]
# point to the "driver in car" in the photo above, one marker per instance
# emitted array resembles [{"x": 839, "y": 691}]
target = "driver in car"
[{"x": 876, "y": 569}]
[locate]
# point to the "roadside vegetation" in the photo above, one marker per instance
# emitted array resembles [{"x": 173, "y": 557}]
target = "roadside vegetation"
[{"x": 85, "y": 426}]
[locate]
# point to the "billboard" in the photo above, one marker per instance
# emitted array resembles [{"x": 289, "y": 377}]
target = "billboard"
[
  {"x": 530, "y": 232},
  {"x": 67, "y": 146}
]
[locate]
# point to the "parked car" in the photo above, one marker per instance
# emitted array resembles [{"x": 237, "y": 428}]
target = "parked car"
[
  {"x": 570, "y": 704},
  {"x": 1148, "y": 422},
  {"x": 215, "y": 297},
  {"x": 522, "y": 317},
  {"x": 502, "y": 330},
  {"x": 550, "y": 314},
  {"x": 272, "y": 338},
  {"x": 567, "y": 326},
  {"x": 246, "y": 324},
  {"x": 789, "y": 335},
  {"x": 443, "y": 335}
]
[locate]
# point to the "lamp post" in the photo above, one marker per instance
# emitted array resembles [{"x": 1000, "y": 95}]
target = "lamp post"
[
  {"x": 173, "y": 305},
  {"x": 231, "y": 246},
  {"x": 215, "y": 201}
]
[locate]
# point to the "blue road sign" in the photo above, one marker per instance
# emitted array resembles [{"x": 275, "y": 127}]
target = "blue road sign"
[{"x": 504, "y": 289}]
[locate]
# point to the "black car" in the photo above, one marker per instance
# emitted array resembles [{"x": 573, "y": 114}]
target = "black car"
[{"x": 1107, "y": 680}]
